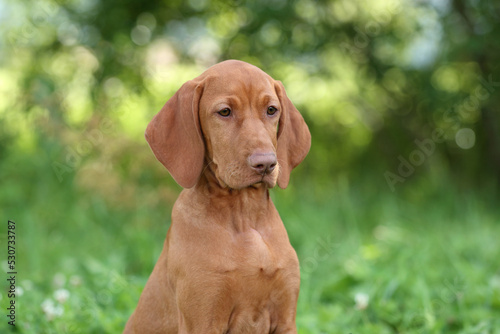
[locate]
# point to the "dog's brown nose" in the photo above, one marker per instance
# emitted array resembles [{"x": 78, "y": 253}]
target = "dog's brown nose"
[{"x": 262, "y": 163}]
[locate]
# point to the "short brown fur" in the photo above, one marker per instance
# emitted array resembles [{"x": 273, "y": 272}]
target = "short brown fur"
[{"x": 227, "y": 265}]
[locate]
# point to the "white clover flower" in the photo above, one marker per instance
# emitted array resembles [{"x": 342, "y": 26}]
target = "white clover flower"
[
  {"x": 61, "y": 295},
  {"x": 58, "y": 311},
  {"x": 51, "y": 310},
  {"x": 47, "y": 304},
  {"x": 48, "y": 307},
  {"x": 361, "y": 299}
]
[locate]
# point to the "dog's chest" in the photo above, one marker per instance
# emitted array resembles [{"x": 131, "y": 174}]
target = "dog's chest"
[{"x": 256, "y": 254}]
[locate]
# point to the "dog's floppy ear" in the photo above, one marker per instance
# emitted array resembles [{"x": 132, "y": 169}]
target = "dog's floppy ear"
[
  {"x": 294, "y": 138},
  {"x": 174, "y": 135}
]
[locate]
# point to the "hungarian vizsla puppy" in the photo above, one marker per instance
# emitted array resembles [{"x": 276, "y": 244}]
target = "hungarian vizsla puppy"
[{"x": 227, "y": 265}]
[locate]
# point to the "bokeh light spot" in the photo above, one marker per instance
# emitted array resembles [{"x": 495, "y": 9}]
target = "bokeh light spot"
[
  {"x": 465, "y": 138},
  {"x": 141, "y": 35}
]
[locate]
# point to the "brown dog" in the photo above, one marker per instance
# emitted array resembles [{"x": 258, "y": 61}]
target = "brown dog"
[{"x": 227, "y": 265}]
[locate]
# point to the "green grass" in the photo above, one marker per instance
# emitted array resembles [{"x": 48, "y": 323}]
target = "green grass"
[{"x": 427, "y": 263}]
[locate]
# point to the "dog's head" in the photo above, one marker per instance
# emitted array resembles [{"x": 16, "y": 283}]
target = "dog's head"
[{"x": 235, "y": 120}]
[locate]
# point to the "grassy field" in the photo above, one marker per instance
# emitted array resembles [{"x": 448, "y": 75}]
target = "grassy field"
[{"x": 372, "y": 261}]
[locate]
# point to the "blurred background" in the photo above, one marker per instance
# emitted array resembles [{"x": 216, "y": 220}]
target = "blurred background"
[{"x": 394, "y": 213}]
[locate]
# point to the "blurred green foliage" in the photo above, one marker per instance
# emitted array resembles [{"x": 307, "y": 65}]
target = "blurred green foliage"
[
  {"x": 371, "y": 77},
  {"x": 401, "y": 183}
]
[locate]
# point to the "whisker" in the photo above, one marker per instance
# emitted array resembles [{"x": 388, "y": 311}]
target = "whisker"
[{"x": 204, "y": 169}]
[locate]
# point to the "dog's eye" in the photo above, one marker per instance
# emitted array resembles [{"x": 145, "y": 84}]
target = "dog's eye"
[
  {"x": 271, "y": 110},
  {"x": 225, "y": 112}
]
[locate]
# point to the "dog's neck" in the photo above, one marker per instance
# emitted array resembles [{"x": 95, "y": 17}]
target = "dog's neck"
[{"x": 236, "y": 208}]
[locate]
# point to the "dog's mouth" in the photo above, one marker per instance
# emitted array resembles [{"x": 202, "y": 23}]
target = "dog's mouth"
[
  {"x": 265, "y": 180},
  {"x": 232, "y": 180},
  {"x": 256, "y": 185},
  {"x": 259, "y": 182}
]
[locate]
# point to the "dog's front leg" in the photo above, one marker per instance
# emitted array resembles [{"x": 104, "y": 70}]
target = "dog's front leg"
[{"x": 204, "y": 305}]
